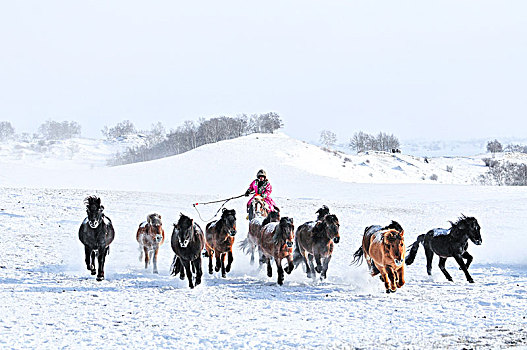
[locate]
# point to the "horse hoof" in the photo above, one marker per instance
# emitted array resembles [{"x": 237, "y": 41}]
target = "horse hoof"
[
  {"x": 198, "y": 281},
  {"x": 223, "y": 275},
  {"x": 228, "y": 269},
  {"x": 155, "y": 271},
  {"x": 210, "y": 272},
  {"x": 217, "y": 268},
  {"x": 470, "y": 281},
  {"x": 191, "y": 286},
  {"x": 318, "y": 269},
  {"x": 182, "y": 277},
  {"x": 93, "y": 272},
  {"x": 100, "y": 278}
]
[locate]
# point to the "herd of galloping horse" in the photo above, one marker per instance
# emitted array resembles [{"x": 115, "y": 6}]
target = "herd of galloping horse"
[{"x": 274, "y": 238}]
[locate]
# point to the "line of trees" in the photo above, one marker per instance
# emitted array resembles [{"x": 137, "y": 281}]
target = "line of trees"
[
  {"x": 191, "y": 135},
  {"x": 362, "y": 142},
  {"x": 496, "y": 147},
  {"x": 49, "y": 130}
]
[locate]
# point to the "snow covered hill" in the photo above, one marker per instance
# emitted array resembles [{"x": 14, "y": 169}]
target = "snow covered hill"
[{"x": 217, "y": 168}]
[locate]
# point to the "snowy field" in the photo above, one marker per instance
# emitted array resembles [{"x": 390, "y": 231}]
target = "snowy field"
[{"x": 49, "y": 300}]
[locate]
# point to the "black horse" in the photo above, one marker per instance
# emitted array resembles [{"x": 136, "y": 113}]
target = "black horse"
[
  {"x": 187, "y": 243},
  {"x": 96, "y": 233},
  {"x": 447, "y": 243}
]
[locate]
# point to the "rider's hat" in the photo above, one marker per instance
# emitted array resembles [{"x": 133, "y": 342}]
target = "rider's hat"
[{"x": 261, "y": 172}]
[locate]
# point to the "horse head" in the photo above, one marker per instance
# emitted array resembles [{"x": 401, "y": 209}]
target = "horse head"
[
  {"x": 94, "y": 209},
  {"x": 155, "y": 226},
  {"x": 285, "y": 231},
  {"x": 332, "y": 227},
  {"x": 393, "y": 240},
  {"x": 260, "y": 206},
  {"x": 185, "y": 228},
  {"x": 228, "y": 216},
  {"x": 471, "y": 226}
]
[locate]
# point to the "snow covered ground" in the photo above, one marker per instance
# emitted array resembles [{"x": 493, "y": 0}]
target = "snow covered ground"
[{"x": 49, "y": 299}]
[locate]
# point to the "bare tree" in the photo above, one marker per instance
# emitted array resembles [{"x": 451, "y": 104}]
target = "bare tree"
[
  {"x": 494, "y": 146},
  {"x": 123, "y": 128},
  {"x": 328, "y": 138},
  {"x": 52, "y": 130},
  {"x": 6, "y": 131}
]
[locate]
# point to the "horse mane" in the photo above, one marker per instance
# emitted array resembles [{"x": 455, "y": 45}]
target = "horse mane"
[
  {"x": 322, "y": 212},
  {"x": 153, "y": 219},
  {"x": 394, "y": 225},
  {"x": 272, "y": 215},
  {"x": 184, "y": 221},
  {"x": 277, "y": 236},
  {"x": 92, "y": 200}
]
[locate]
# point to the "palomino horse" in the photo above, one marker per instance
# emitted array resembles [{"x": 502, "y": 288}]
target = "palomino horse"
[
  {"x": 276, "y": 242},
  {"x": 448, "y": 243},
  {"x": 150, "y": 235},
  {"x": 220, "y": 238},
  {"x": 384, "y": 250},
  {"x": 316, "y": 240},
  {"x": 187, "y": 243},
  {"x": 96, "y": 233}
]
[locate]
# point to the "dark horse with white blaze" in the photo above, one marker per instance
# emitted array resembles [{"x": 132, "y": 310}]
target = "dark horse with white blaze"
[
  {"x": 276, "y": 242},
  {"x": 96, "y": 233},
  {"x": 150, "y": 235},
  {"x": 315, "y": 239},
  {"x": 447, "y": 243},
  {"x": 220, "y": 238},
  {"x": 187, "y": 243}
]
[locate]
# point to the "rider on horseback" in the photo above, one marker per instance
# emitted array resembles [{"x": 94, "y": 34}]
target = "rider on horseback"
[{"x": 260, "y": 187}]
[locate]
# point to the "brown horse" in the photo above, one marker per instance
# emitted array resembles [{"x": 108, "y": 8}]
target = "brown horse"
[
  {"x": 384, "y": 250},
  {"x": 150, "y": 235},
  {"x": 276, "y": 242},
  {"x": 250, "y": 244},
  {"x": 316, "y": 239},
  {"x": 220, "y": 238}
]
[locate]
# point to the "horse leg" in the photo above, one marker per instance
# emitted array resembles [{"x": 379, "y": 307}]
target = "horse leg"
[
  {"x": 469, "y": 258},
  {"x": 141, "y": 253},
  {"x": 461, "y": 264},
  {"x": 323, "y": 275},
  {"x": 222, "y": 258},
  {"x": 210, "y": 263},
  {"x": 290, "y": 264},
  {"x": 391, "y": 280},
  {"x": 429, "y": 257},
  {"x": 442, "y": 262},
  {"x": 280, "y": 271},
  {"x": 218, "y": 262},
  {"x": 147, "y": 256},
  {"x": 87, "y": 255},
  {"x": 262, "y": 259},
  {"x": 400, "y": 277},
  {"x": 311, "y": 267},
  {"x": 230, "y": 259},
  {"x": 182, "y": 270},
  {"x": 318, "y": 268},
  {"x": 175, "y": 266},
  {"x": 101, "y": 258},
  {"x": 186, "y": 263},
  {"x": 154, "y": 260},
  {"x": 199, "y": 272},
  {"x": 92, "y": 263},
  {"x": 269, "y": 268}
]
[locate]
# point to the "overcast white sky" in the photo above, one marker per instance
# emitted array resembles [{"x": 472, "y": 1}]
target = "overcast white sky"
[{"x": 434, "y": 69}]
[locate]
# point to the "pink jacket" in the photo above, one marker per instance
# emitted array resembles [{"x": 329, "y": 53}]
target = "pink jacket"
[{"x": 267, "y": 191}]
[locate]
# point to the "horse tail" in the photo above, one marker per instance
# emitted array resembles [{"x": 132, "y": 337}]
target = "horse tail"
[
  {"x": 413, "y": 250},
  {"x": 358, "y": 256},
  {"x": 298, "y": 258},
  {"x": 246, "y": 246}
]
